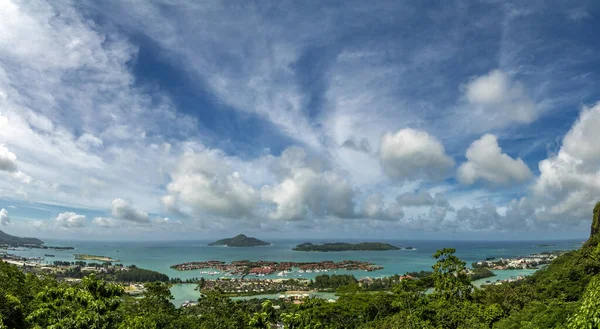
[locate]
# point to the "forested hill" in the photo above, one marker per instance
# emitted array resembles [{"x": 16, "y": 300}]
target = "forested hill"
[
  {"x": 14, "y": 241},
  {"x": 339, "y": 246},
  {"x": 240, "y": 240}
]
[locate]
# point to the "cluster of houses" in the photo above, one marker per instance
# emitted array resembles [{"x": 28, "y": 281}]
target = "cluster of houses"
[
  {"x": 241, "y": 286},
  {"x": 262, "y": 268},
  {"x": 527, "y": 262}
]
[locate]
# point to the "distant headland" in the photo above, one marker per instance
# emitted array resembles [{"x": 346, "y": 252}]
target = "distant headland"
[
  {"x": 13, "y": 241},
  {"x": 240, "y": 240},
  {"x": 339, "y": 246}
]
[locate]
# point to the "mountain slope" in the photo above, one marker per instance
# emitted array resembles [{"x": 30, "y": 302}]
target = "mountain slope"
[
  {"x": 15, "y": 241},
  {"x": 240, "y": 240}
]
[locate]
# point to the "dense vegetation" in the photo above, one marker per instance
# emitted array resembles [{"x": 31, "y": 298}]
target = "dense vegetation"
[
  {"x": 14, "y": 241},
  {"x": 339, "y": 246},
  {"x": 128, "y": 274},
  {"x": 565, "y": 294},
  {"x": 239, "y": 241},
  {"x": 335, "y": 281}
]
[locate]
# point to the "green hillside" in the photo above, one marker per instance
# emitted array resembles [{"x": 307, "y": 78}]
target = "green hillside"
[
  {"x": 339, "y": 246},
  {"x": 13, "y": 241}
]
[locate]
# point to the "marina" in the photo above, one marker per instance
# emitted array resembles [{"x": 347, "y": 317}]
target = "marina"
[{"x": 263, "y": 268}]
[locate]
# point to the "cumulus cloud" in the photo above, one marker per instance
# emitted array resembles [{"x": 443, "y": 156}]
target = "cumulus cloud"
[
  {"x": 4, "y": 218},
  {"x": 412, "y": 154},
  {"x": 373, "y": 206},
  {"x": 497, "y": 100},
  {"x": 569, "y": 182},
  {"x": 303, "y": 190},
  {"x": 104, "y": 222},
  {"x": 171, "y": 206},
  {"x": 519, "y": 215},
  {"x": 203, "y": 182},
  {"x": 581, "y": 142},
  {"x": 122, "y": 210},
  {"x": 38, "y": 225},
  {"x": 486, "y": 162},
  {"x": 70, "y": 220},
  {"x": 8, "y": 160},
  {"x": 474, "y": 219}
]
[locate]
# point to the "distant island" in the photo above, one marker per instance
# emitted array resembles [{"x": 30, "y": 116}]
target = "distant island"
[
  {"x": 13, "y": 241},
  {"x": 95, "y": 257},
  {"x": 240, "y": 241},
  {"x": 339, "y": 246}
]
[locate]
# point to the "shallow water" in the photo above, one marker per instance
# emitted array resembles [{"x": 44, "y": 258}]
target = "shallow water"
[{"x": 159, "y": 256}]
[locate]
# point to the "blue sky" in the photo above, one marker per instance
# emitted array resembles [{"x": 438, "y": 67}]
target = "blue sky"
[{"x": 187, "y": 119}]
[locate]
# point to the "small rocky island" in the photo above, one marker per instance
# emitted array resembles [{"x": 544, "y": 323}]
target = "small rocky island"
[
  {"x": 340, "y": 246},
  {"x": 240, "y": 240}
]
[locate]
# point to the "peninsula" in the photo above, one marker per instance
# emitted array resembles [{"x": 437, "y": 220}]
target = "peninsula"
[
  {"x": 339, "y": 246},
  {"x": 240, "y": 241},
  {"x": 13, "y": 241}
]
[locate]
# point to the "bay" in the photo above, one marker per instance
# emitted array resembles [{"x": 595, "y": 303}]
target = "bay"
[{"x": 160, "y": 255}]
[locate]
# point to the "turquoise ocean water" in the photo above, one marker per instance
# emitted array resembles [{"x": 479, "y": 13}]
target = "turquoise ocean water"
[{"x": 160, "y": 255}]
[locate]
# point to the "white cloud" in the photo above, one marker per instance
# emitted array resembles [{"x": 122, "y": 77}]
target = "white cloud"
[
  {"x": 472, "y": 219},
  {"x": 87, "y": 141},
  {"x": 496, "y": 100},
  {"x": 304, "y": 190},
  {"x": 412, "y": 154},
  {"x": 486, "y": 162},
  {"x": 104, "y": 222},
  {"x": 70, "y": 220},
  {"x": 4, "y": 218},
  {"x": 85, "y": 129},
  {"x": 122, "y": 210},
  {"x": 38, "y": 225},
  {"x": 569, "y": 182},
  {"x": 8, "y": 160},
  {"x": 203, "y": 182},
  {"x": 71, "y": 110},
  {"x": 8, "y": 163},
  {"x": 373, "y": 206},
  {"x": 581, "y": 142},
  {"x": 519, "y": 215},
  {"x": 39, "y": 121}
]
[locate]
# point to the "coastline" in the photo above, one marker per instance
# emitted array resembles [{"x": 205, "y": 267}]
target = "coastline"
[{"x": 158, "y": 256}]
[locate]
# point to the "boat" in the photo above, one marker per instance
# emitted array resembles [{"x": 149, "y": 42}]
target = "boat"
[{"x": 48, "y": 255}]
